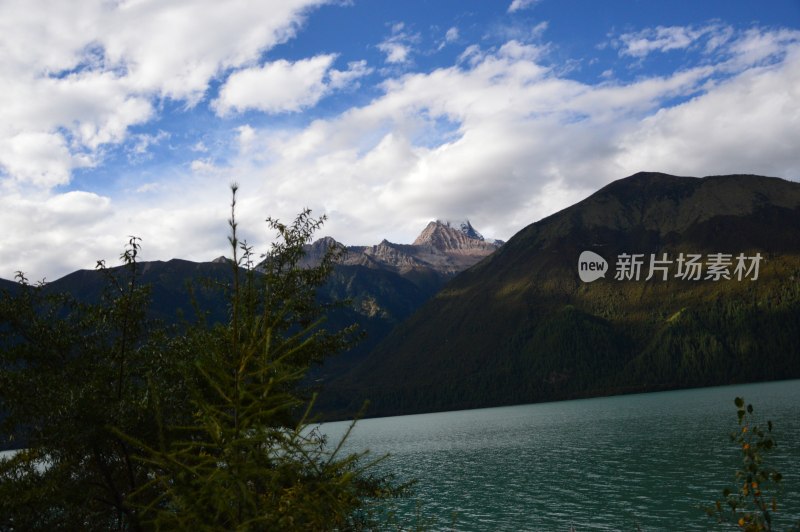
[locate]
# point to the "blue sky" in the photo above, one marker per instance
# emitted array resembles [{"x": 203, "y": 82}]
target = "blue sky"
[{"x": 133, "y": 117}]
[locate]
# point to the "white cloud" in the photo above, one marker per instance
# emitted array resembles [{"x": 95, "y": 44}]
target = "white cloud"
[
  {"x": 276, "y": 87},
  {"x": 203, "y": 166},
  {"x": 718, "y": 37},
  {"x": 175, "y": 48},
  {"x": 79, "y": 205},
  {"x": 38, "y": 158},
  {"x": 346, "y": 79},
  {"x": 518, "y": 5},
  {"x": 747, "y": 124},
  {"x": 728, "y": 49},
  {"x": 451, "y": 35},
  {"x": 537, "y": 32},
  {"x": 396, "y": 52},
  {"x": 283, "y": 86},
  {"x": 246, "y": 137},
  {"x": 143, "y": 142},
  {"x": 50, "y": 126},
  {"x": 398, "y": 46},
  {"x": 661, "y": 39},
  {"x": 199, "y": 146},
  {"x": 758, "y": 47},
  {"x": 472, "y": 54},
  {"x": 148, "y": 188},
  {"x": 77, "y": 76},
  {"x": 51, "y": 234},
  {"x": 517, "y": 30}
]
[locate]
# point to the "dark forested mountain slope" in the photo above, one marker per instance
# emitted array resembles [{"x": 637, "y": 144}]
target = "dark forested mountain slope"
[
  {"x": 378, "y": 299},
  {"x": 522, "y": 326}
]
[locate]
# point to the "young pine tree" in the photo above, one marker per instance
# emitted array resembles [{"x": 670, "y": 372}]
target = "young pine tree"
[{"x": 247, "y": 459}]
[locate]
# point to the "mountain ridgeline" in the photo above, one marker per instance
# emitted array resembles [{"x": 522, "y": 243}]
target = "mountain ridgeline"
[
  {"x": 686, "y": 282},
  {"x": 384, "y": 284},
  {"x": 437, "y": 254},
  {"x": 721, "y": 305}
]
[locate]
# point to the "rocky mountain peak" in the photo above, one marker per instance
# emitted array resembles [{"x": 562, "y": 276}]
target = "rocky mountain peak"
[
  {"x": 442, "y": 249},
  {"x": 444, "y": 237},
  {"x": 315, "y": 251},
  {"x": 470, "y": 231}
]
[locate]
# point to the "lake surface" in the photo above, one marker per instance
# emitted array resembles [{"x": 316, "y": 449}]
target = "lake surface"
[{"x": 651, "y": 461}]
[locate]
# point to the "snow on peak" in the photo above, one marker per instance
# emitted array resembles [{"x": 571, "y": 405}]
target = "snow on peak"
[{"x": 470, "y": 231}]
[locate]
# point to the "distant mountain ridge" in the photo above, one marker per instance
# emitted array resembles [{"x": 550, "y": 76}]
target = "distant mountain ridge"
[
  {"x": 385, "y": 283},
  {"x": 441, "y": 250},
  {"x": 520, "y": 326}
]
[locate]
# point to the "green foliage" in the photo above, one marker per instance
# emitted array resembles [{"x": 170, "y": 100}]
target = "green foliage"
[
  {"x": 68, "y": 372},
  {"x": 130, "y": 425},
  {"x": 752, "y": 502}
]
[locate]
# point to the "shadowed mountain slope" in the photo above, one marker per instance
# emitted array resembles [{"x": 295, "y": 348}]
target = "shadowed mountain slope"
[{"x": 521, "y": 326}]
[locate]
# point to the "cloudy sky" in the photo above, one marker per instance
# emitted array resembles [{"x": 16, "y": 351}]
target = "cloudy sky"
[{"x": 132, "y": 117}]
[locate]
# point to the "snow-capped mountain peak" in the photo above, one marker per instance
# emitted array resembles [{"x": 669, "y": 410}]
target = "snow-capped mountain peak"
[{"x": 470, "y": 231}]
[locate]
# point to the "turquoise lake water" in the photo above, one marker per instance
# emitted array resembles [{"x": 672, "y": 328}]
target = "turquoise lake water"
[{"x": 647, "y": 461}]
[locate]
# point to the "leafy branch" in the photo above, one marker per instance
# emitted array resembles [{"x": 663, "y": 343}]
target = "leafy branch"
[{"x": 751, "y": 503}]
